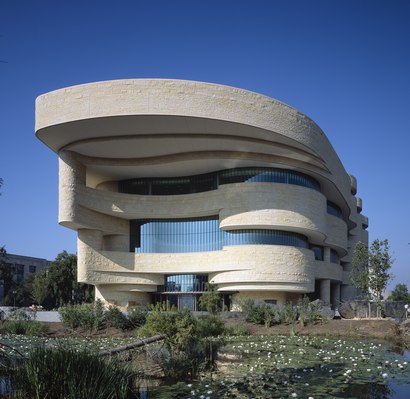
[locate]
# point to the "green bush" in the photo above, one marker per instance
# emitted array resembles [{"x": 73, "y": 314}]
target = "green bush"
[
  {"x": 36, "y": 328},
  {"x": 67, "y": 374},
  {"x": 314, "y": 315},
  {"x": 89, "y": 316},
  {"x": 137, "y": 317},
  {"x": 210, "y": 326},
  {"x": 164, "y": 306},
  {"x": 18, "y": 314},
  {"x": 239, "y": 329},
  {"x": 17, "y": 327},
  {"x": 290, "y": 313},
  {"x": 115, "y": 318},
  {"x": 22, "y": 327},
  {"x": 191, "y": 343},
  {"x": 210, "y": 300},
  {"x": 246, "y": 304},
  {"x": 261, "y": 314},
  {"x": 303, "y": 310}
]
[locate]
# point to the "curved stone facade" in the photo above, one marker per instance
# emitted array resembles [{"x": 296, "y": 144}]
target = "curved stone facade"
[{"x": 165, "y": 132}]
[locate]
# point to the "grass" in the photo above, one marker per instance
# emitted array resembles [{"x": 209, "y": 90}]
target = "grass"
[
  {"x": 24, "y": 327},
  {"x": 65, "y": 373}
]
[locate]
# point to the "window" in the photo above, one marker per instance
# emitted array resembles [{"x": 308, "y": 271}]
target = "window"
[
  {"x": 211, "y": 181},
  {"x": 184, "y": 283},
  {"x": 333, "y": 209},
  {"x": 318, "y": 251},
  {"x": 19, "y": 273},
  {"x": 201, "y": 235},
  {"x": 334, "y": 256},
  {"x": 32, "y": 269},
  {"x": 271, "y": 301},
  {"x": 178, "y": 235},
  {"x": 267, "y": 237}
]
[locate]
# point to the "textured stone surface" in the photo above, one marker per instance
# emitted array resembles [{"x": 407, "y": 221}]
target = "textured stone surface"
[{"x": 108, "y": 131}]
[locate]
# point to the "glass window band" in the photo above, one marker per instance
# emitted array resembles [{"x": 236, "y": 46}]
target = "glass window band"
[
  {"x": 211, "y": 181},
  {"x": 202, "y": 235}
]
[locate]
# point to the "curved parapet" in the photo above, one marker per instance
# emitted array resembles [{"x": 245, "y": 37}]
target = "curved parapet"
[
  {"x": 359, "y": 204},
  {"x": 142, "y": 126},
  {"x": 353, "y": 184}
]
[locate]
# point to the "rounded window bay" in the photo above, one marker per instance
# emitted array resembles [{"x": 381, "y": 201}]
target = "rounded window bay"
[
  {"x": 211, "y": 181},
  {"x": 203, "y": 234}
]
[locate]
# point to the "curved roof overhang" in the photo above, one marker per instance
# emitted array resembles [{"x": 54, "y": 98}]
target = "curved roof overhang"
[{"x": 154, "y": 128}]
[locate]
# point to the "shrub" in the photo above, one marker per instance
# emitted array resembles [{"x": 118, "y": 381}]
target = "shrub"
[
  {"x": 210, "y": 300},
  {"x": 191, "y": 343},
  {"x": 314, "y": 314},
  {"x": 115, "y": 318},
  {"x": 35, "y": 328},
  {"x": 164, "y": 306},
  {"x": 68, "y": 316},
  {"x": 17, "y": 327},
  {"x": 210, "y": 326},
  {"x": 290, "y": 313},
  {"x": 246, "y": 304},
  {"x": 137, "y": 317},
  {"x": 21, "y": 327},
  {"x": 261, "y": 314},
  {"x": 89, "y": 316},
  {"x": 18, "y": 314},
  {"x": 67, "y": 374},
  {"x": 238, "y": 329},
  {"x": 303, "y": 309}
]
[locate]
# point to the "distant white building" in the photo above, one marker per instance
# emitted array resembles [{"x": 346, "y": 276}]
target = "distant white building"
[{"x": 171, "y": 184}]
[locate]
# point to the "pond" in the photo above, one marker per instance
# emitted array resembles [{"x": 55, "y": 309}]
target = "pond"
[
  {"x": 301, "y": 367},
  {"x": 274, "y": 367}
]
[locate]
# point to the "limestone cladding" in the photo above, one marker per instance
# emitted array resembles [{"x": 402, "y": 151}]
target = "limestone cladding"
[{"x": 106, "y": 132}]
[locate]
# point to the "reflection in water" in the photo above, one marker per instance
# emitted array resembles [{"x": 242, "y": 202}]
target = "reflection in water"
[{"x": 367, "y": 391}]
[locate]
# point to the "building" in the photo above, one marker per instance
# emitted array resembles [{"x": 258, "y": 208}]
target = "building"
[
  {"x": 22, "y": 267},
  {"x": 171, "y": 184}
]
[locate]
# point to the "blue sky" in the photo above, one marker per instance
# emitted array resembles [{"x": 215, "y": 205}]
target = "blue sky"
[{"x": 345, "y": 64}]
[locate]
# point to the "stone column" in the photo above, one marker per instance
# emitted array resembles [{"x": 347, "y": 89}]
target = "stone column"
[
  {"x": 336, "y": 295},
  {"x": 326, "y": 254},
  {"x": 88, "y": 242},
  {"x": 325, "y": 291},
  {"x": 71, "y": 175}
]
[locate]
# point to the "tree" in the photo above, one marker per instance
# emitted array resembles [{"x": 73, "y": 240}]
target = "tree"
[
  {"x": 210, "y": 300},
  {"x": 359, "y": 274},
  {"x": 6, "y": 277},
  {"x": 40, "y": 287},
  {"x": 400, "y": 293},
  {"x": 370, "y": 273},
  {"x": 61, "y": 275},
  {"x": 380, "y": 263}
]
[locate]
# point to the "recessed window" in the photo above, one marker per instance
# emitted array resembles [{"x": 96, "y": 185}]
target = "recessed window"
[
  {"x": 318, "y": 252},
  {"x": 19, "y": 271},
  {"x": 184, "y": 283},
  {"x": 211, "y": 181},
  {"x": 333, "y": 209},
  {"x": 271, "y": 301},
  {"x": 202, "y": 235},
  {"x": 334, "y": 257}
]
